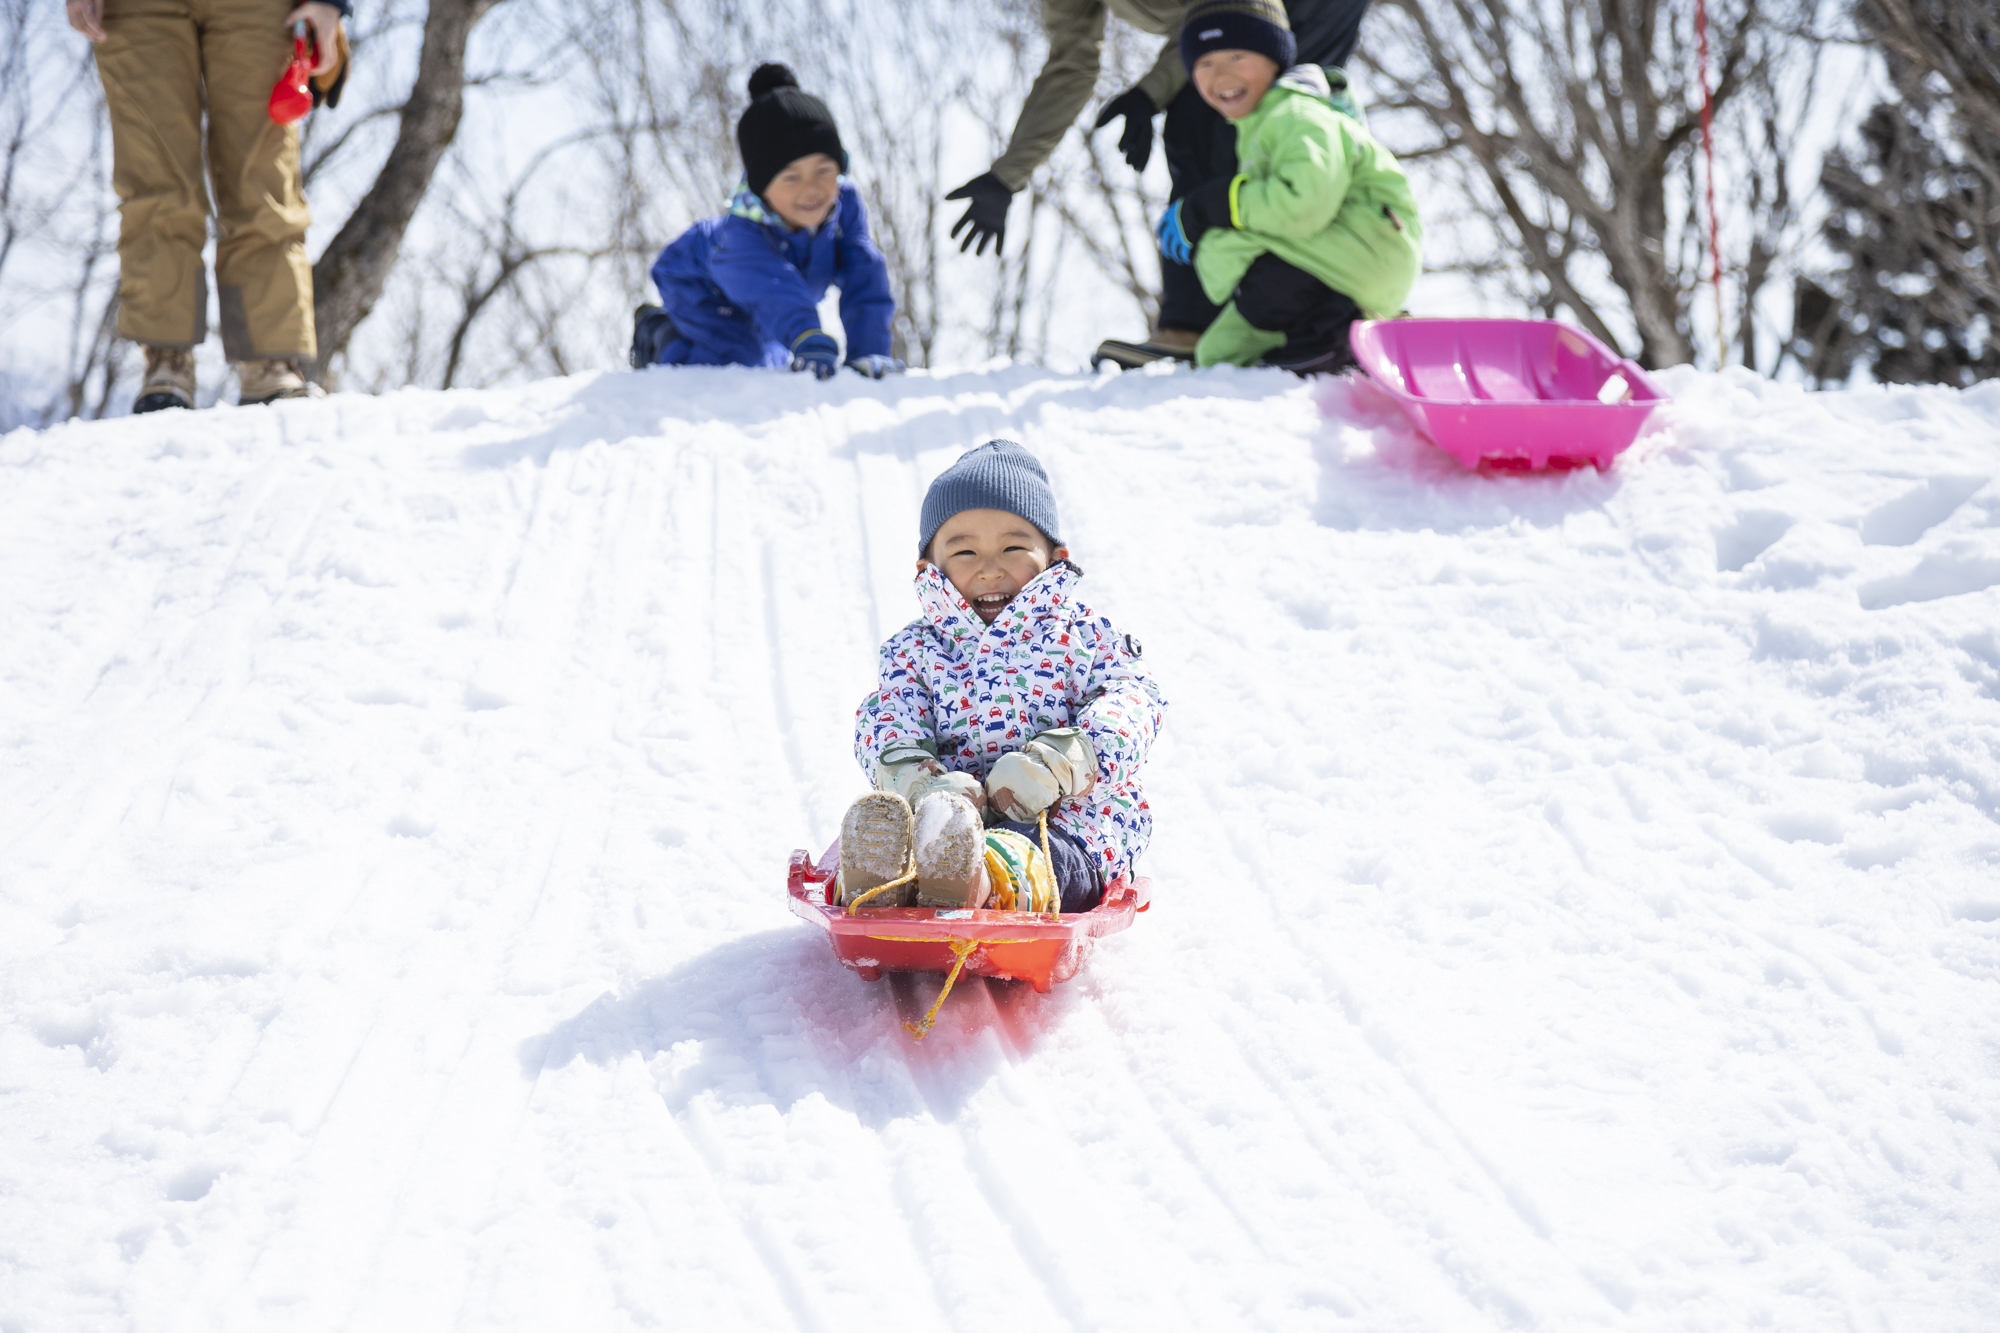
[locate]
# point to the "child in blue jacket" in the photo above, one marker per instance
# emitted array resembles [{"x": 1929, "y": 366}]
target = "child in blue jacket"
[{"x": 744, "y": 289}]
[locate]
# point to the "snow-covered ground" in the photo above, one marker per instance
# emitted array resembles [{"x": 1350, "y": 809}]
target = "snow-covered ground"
[{"x": 1578, "y": 897}]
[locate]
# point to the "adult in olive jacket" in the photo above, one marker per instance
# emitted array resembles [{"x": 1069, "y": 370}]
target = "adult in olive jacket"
[{"x": 1200, "y": 145}]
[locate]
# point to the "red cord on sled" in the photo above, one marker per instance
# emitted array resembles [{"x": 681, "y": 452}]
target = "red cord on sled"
[{"x": 291, "y": 99}]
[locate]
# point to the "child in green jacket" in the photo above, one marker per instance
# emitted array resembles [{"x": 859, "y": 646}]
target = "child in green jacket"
[{"x": 1318, "y": 227}]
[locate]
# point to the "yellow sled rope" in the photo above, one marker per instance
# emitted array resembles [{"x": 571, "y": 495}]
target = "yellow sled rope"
[{"x": 1022, "y": 882}]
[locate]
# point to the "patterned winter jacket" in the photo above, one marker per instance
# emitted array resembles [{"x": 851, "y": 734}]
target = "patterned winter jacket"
[{"x": 981, "y": 690}]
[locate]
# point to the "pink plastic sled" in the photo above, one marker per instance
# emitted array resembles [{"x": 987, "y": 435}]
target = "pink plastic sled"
[{"x": 1512, "y": 393}]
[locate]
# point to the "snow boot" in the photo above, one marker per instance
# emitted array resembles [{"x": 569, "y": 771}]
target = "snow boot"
[
  {"x": 950, "y": 853},
  {"x": 1164, "y": 345},
  {"x": 875, "y": 837},
  {"x": 652, "y": 329},
  {"x": 169, "y": 380},
  {"x": 268, "y": 381}
]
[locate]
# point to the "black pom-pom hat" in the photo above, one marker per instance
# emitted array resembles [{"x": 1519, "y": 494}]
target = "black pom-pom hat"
[{"x": 783, "y": 124}]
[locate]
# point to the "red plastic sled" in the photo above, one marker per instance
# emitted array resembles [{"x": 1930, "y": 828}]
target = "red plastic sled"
[{"x": 1040, "y": 948}]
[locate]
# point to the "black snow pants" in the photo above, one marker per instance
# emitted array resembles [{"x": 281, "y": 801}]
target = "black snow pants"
[
  {"x": 1201, "y": 146},
  {"x": 1280, "y": 298}
]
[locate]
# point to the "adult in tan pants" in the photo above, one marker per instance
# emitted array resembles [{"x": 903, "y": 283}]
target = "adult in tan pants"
[{"x": 163, "y": 63}]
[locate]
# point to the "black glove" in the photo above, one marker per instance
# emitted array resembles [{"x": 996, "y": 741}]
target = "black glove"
[
  {"x": 1204, "y": 207},
  {"x": 986, "y": 219},
  {"x": 1137, "y": 140}
]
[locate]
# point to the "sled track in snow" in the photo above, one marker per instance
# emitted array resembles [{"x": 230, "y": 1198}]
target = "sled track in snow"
[{"x": 1574, "y": 893}]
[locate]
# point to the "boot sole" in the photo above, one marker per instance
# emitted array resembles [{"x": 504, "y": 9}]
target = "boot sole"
[
  {"x": 1131, "y": 356},
  {"x": 875, "y": 837},
  {"x": 282, "y": 396},
  {"x": 951, "y": 853}
]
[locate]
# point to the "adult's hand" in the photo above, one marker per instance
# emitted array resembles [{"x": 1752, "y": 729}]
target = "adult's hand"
[
  {"x": 87, "y": 17},
  {"x": 986, "y": 219},
  {"x": 323, "y": 18},
  {"x": 1136, "y": 142}
]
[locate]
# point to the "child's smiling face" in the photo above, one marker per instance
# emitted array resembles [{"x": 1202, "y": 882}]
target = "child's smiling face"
[
  {"x": 1234, "y": 82},
  {"x": 989, "y": 555},
  {"x": 805, "y": 191}
]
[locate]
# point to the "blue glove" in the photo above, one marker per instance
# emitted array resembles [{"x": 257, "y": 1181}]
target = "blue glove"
[
  {"x": 875, "y": 366},
  {"x": 1173, "y": 241},
  {"x": 818, "y": 353}
]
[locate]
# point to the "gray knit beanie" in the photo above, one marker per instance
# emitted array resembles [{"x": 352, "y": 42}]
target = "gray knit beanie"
[{"x": 999, "y": 474}]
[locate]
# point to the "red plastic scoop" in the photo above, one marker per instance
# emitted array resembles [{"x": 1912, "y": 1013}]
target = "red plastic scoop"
[{"x": 291, "y": 99}]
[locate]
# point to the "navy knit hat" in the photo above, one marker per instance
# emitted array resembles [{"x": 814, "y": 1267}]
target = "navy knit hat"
[
  {"x": 999, "y": 474},
  {"x": 782, "y": 125},
  {"x": 1237, "y": 25}
]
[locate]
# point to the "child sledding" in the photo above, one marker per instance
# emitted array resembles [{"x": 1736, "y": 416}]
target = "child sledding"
[
  {"x": 1006, "y": 699},
  {"x": 1009, "y": 724},
  {"x": 743, "y": 289}
]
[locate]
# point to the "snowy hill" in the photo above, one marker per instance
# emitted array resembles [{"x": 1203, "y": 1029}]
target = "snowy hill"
[{"x": 1578, "y": 898}]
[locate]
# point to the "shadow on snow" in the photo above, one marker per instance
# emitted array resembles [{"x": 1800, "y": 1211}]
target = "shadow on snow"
[
  {"x": 1392, "y": 479},
  {"x": 772, "y": 1019},
  {"x": 903, "y": 416}
]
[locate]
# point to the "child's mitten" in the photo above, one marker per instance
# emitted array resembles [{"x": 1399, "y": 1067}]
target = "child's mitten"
[
  {"x": 912, "y": 770},
  {"x": 1173, "y": 241},
  {"x": 956, "y": 784},
  {"x": 817, "y": 352},
  {"x": 904, "y": 763},
  {"x": 1207, "y": 207},
  {"x": 1054, "y": 764}
]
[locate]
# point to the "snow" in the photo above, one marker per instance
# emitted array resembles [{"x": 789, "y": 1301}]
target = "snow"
[{"x": 1577, "y": 897}]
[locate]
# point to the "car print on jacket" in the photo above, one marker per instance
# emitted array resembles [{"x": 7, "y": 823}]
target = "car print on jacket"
[{"x": 979, "y": 691}]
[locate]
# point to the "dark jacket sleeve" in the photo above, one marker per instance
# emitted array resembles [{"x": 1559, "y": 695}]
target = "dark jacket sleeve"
[
  {"x": 867, "y": 305},
  {"x": 1075, "y": 30},
  {"x": 751, "y": 269},
  {"x": 1325, "y": 30}
]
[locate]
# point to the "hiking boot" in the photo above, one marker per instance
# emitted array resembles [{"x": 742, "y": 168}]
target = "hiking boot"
[
  {"x": 268, "y": 381},
  {"x": 1164, "y": 345},
  {"x": 169, "y": 380},
  {"x": 950, "y": 853},
  {"x": 875, "y": 836},
  {"x": 652, "y": 329}
]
